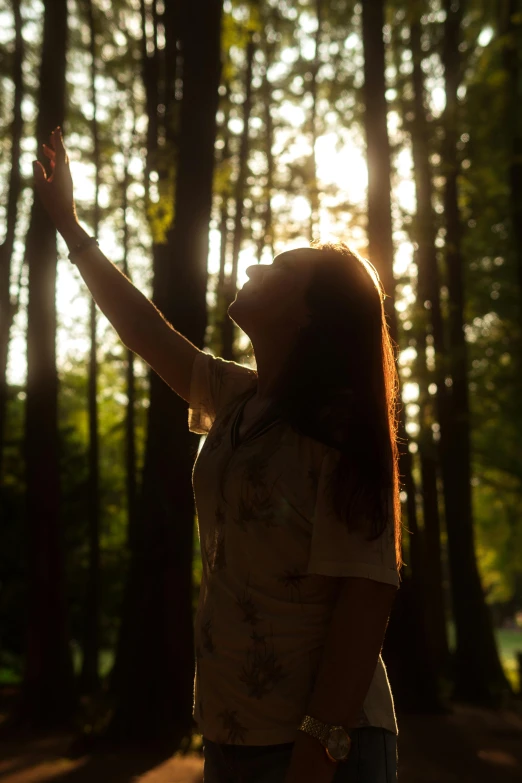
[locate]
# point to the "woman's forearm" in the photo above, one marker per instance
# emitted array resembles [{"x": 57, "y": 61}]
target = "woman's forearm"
[
  {"x": 350, "y": 656},
  {"x": 351, "y": 650},
  {"x": 120, "y": 301}
]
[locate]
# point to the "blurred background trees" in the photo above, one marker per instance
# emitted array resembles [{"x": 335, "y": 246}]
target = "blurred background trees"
[{"x": 199, "y": 144}]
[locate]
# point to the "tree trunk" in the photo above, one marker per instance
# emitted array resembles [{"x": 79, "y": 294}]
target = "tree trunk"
[
  {"x": 231, "y": 284},
  {"x": 89, "y": 680},
  {"x": 410, "y": 675},
  {"x": 220, "y": 310},
  {"x": 223, "y": 230},
  {"x": 150, "y": 79},
  {"x": 512, "y": 63},
  {"x": 7, "y": 309},
  {"x": 267, "y": 237},
  {"x": 428, "y": 304},
  {"x": 48, "y": 695},
  {"x": 131, "y": 484},
  {"x": 171, "y": 73},
  {"x": 314, "y": 192},
  {"x": 123, "y": 657},
  {"x": 154, "y": 682},
  {"x": 479, "y": 676}
]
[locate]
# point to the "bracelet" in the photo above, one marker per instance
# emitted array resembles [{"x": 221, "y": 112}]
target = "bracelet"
[{"x": 87, "y": 242}]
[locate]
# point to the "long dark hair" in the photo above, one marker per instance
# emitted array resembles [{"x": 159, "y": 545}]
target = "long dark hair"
[{"x": 341, "y": 387}]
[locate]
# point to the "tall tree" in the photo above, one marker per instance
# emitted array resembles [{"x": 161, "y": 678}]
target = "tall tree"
[
  {"x": 479, "y": 676},
  {"x": 428, "y": 329},
  {"x": 223, "y": 175},
  {"x": 7, "y": 308},
  {"x": 91, "y": 643},
  {"x": 267, "y": 235},
  {"x": 48, "y": 694},
  {"x": 231, "y": 284},
  {"x": 131, "y": 482},
  {"x": 511, "y": 27},
  {"x": 413, "y": 684},
  {"x": 314, "y": 192},
  {"x": 492, "y": 299},
  {"x": 122, "y": 725},
  {"x": 155, "y": 670}
]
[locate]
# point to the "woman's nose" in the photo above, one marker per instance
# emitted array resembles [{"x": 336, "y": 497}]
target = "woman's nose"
[{"x": 250, "y": 271}]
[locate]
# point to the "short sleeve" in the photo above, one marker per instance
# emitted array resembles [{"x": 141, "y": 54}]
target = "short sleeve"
[
  {"x": 214, "y": 383},
  {"x": 336, "y": 550}
]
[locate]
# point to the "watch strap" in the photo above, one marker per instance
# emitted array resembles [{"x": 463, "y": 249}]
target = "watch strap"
[
  {"x": 315, "y": 728},
  {"x": 321, "y": 731}
]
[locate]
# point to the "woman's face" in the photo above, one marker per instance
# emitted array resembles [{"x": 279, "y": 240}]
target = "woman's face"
[{"x": 273, "y": 299}]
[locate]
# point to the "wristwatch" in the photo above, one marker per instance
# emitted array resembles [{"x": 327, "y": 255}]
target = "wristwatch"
[{"x": 335, "y": 739}]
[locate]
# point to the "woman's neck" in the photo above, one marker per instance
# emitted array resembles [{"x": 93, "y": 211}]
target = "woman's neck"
[{"x": 271, "y": 358}]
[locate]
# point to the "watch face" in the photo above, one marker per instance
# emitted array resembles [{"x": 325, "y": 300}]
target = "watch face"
[{"x": 339, "y": 744}]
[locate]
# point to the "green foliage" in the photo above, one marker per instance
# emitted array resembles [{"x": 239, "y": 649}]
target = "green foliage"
[
  {"x": 160, "y": 210},
  {"x": 493, "y": 302}
]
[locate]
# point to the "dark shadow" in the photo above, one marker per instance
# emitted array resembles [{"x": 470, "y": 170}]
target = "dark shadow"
[
  {"x": 116, "y": 766},
  {"x": 92, "y": 757}
]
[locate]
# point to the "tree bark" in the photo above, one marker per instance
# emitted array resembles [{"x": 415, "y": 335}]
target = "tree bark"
[
  {"x": 89, "y": 680},
  {"x": 479, "y": 677},
  {"x": 154, "y": 678},
  {"x": 314, "y": 193},
  {"x": 171, "y": 58},
  {"x": 428, "y": 319},
  {"x": 150, "y": 79},
  {"x": 48, "y": 693},
  {"x": 267, "y": 237},
  {"x": 131, "y": 483},
  {"x": 512, "y": 62},
  {"x": 220, "y": 310},
  {"x": 412, "y": 684},
  {"x": 231, "y": 284},
  {"x": 121, "y": 727},
  {"x": 7, "y": 308}
]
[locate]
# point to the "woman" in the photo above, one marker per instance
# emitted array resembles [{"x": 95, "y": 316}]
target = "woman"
[{"x": 296, "y": 489}]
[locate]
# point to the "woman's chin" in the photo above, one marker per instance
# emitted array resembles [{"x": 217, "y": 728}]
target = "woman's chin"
[
  {"x": 242, "y": 298},
  {"x": 235, "y": 308},
  {"x": 240, "y": 309}
]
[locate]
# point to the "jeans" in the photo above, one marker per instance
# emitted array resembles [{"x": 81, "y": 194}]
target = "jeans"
[{"x": 372, "y": 759}]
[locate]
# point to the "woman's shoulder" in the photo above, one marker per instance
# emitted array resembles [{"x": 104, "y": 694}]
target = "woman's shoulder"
[{"x": 227, "y": 372}]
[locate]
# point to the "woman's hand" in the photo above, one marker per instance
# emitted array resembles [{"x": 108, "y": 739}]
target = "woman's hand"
[{"x": 56, "y": 190}]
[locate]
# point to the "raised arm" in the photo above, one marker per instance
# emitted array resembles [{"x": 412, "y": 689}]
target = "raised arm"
[{"x": 138, "y": 322}]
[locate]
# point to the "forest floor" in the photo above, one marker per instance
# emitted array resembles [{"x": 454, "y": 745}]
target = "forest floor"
[{"x": 471, "y": 745}]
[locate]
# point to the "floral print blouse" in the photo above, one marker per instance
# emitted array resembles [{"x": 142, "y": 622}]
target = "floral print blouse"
[{"x": 270, "y": 545}]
